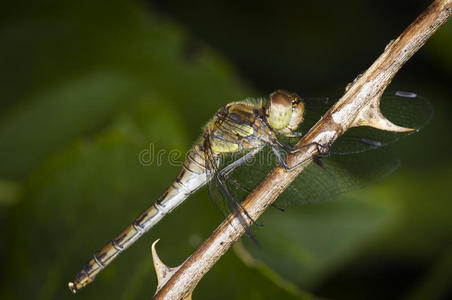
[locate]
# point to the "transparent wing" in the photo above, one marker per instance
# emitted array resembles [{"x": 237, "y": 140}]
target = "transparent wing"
[
  {"x": 317, "y": 183},
  {"x": 216, "y": 187},
  {"x": 356, "y": 159},
  {"x": 340, "y": 174},
  {"x": 217, "y": 198},
  {"x": 254, "y": 171},
  {"x": 405, "y": 109},
  {"x": 223, "y": 197}
]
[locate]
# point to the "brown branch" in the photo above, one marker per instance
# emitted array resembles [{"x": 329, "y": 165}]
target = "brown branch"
[{"x": 349, "y": 111}]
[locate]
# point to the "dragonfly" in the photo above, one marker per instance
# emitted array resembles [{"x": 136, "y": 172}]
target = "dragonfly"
[{"x": 241, "y": 130}]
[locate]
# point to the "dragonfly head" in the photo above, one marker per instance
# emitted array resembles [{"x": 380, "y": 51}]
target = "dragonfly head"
[{"x": 284, "y": 111}]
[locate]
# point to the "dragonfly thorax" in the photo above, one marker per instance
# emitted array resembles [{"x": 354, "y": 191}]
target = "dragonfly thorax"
[
  {"x": 246, "y": 125},
  {"x": 236, "y": 127}
]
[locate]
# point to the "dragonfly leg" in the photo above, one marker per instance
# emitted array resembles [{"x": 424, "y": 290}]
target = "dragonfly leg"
[
  {"x": 280, "y": 158},
  {"x": 247, "y": 190},
  {"x": 235, "y": 204},
  {"x": 238, "y": 184},
  {"x": 278, "y": 207},
  {"x": 322, "y": 149},
  {"x": 294, "y": 134},
  {"x": 229, "y": 169}
]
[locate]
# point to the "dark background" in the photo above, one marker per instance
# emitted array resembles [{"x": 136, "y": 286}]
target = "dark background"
[{"x": 88, "y": 85}]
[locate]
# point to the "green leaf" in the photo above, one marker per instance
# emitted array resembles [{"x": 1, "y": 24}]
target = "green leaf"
[
  {"x": 69, "y": 68},
  {"x": 440, "y": 46},
  {"x": 84, "y": 187},
  {"x": 9, "y": 192},
  {"x": 305, "y": 245},
  {"x": 30, "y": 129}
]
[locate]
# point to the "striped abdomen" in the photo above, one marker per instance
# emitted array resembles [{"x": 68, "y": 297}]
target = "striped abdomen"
[{"x": 192, "y": 176}]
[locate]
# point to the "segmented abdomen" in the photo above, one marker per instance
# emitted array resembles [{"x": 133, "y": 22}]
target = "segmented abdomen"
[{"x": 193, "y": 175}]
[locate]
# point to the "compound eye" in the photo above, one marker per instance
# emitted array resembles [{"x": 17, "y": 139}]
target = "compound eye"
[
  {"x": 281, "y": 98},
  {"x": 280, "y": 110}
]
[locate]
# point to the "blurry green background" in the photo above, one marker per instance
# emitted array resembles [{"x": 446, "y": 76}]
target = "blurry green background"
[{"x": 87, "y": 85}]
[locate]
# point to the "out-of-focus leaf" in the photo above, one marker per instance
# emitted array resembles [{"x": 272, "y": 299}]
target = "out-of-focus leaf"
[
  {"x": 9, "y": 192},
  {"x": 437, "y": 282},
  {"x": 411, "y": 255},
  {"x": 440, "y": 46},
  {"x": 230, "y": 278},
  {"x": 306, "y": 244},
  {"x": 420, "y": 196},
  {"x": 79, "y": 197},
  {"x": 66, "y": 72},
  {"x": 33, "y": 127}
]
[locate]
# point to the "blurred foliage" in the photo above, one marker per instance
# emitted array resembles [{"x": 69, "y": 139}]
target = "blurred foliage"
[{"x": 89, "y": 85}]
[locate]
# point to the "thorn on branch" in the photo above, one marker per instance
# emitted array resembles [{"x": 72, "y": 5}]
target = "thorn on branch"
[
  {"x": 371, "y": 116},
  {"x": 162, "y": 271}
]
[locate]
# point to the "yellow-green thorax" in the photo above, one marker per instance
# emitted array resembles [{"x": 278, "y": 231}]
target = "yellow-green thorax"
[{"x": 244, "y": 125}]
